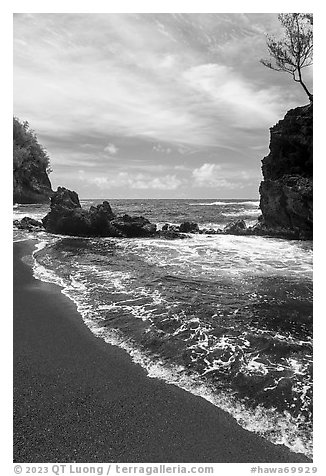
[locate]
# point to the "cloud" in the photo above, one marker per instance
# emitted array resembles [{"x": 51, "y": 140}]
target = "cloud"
[
  {"x": 119, "y": 73},
  {"x": 222, "y": 176},
  {"x": 209, "y": 175},
  {"x": 136, "y": 181},
  {"x": 160, "y": 148},
  {"x": 111, "y": 149},
  {"x": 167, "y": 90},
  {"x": 205, "y": 173},
  {"x": 232, "y": 96}
]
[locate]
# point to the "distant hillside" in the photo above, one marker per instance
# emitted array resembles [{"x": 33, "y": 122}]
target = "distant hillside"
[{"x": 31, "y": 166}]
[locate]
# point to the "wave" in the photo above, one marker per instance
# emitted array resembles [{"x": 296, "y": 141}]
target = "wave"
[
  {"x": 253, "y": 203},
  {"x": 279, "y": 428},
  {"x": 203, "y": 252},
  {"x": 242, "y": 213},
  {"x": 35, "y": 211}
]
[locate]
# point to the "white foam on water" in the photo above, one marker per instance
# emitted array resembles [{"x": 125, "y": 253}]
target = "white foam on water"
[
  {"x": 35, "y": 212},
  {"x": 41, "y": 272},
  {"x": 268, "y": 423},
  {"x": 254, "y": 203},
  {"x": 46, "y": 275},
  {"x": 254, "y": 212},
  {"x": 20, "y": 237},
  {"x": 248, "y": 202},
  {"x": 278, "y": 429},
  {"x": 210, "y": 204},
  {"x": 225, "y": 255}
]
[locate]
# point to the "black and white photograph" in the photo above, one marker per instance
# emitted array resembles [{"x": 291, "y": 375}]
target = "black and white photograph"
[{"x": 163, "y": 239}]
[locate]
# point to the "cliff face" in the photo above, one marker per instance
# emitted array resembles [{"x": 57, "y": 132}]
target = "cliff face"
[
  {"x": 286, "y": 194},
  {"x": 31, "y": 183}
]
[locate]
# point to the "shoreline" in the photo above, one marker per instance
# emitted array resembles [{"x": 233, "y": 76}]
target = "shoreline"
[{"x": 79, "y": 399}]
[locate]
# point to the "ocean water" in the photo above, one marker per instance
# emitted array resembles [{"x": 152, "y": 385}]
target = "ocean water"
[{"x": 225, "y": 317}]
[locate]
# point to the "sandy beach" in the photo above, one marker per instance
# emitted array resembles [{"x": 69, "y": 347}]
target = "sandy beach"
[{"x": 78, "y": 399}]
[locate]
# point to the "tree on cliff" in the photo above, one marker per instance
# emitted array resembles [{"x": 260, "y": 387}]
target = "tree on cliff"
[
  {"x": 26, "y": 146},
  {"x": 294, "y": 51}
]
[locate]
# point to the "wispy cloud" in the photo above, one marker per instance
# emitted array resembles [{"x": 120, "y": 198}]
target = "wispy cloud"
[
  {"x": 118, "y": 73},
  {"x": 173, "y": 89},
  {"x": 137, "y": 181},
  {"x": 111, "y": 149}
]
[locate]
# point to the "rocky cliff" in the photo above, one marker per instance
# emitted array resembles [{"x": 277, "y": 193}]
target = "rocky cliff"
[
  {"x": 286, "y": 193},
  {"x": 31, "y": 183}
]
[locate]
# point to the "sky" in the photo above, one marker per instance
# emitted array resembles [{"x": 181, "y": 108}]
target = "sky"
[{"x": 151, "y": 105}]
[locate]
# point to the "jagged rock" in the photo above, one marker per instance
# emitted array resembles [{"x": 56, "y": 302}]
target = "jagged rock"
[
  {"x": 29, "y": 224},
  {"x": 74, "y": 223},
  {"x": 211, "y": 231},
  {"x": 286, "y": 194},
  {"x": 129, "y": 226},
  {"x": 100, "y": 220},
  {"x": 172, "y": 228},
  {"x": 189, "y": 227},
  {"x": 171, "y": 235},
  {"x": 64, "y": 199},
  {"x": 260, "y": 229},
  {"x": 66, "y": 217},
  {"x": 238, "y": 227}
]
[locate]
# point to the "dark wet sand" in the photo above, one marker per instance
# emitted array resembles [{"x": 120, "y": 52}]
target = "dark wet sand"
[{"x": 77, "y": 399}]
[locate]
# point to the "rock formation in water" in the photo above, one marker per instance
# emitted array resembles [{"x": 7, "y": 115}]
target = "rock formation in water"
[
  {"x": 67, "y": 217},
  {"x": 238, "y": 227},
  {"x": 286, "y": 193},
  {"x": 31, "y": 183},
  {"x": 29, "y": 224}
]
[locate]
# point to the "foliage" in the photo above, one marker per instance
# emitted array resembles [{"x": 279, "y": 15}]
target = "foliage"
[
  {"x": 294, "y": 51},
  {"x": 26, "y": 148}
]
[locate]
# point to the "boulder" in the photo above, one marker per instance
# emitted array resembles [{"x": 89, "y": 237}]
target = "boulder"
[
  {"x": 171, "y": 235},
  {"x": 64, "y": 199},
  {"x": 100, "y": 220},
  {"x": 261, "y": 229},
  {"x": 238, "y": 227},
  {"x": 189, "y": 227},
  {"x": 172, "y": 228},
  {"x": 66, "y": 215},
  {"x": 28, "y": 224},
  {"x": 130, "y": 227},
  {"x": 211, "y": 231}
]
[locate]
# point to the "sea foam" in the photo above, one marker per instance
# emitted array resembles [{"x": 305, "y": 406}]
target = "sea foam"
[{"x": 277, "y": 428}]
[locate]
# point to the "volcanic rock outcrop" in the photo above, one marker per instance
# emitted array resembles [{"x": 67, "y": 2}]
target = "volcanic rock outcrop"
[
  {"x": 29, "y": 224},
  {"x": 286, "y": 193},
  {"x": 67, "y": 217}
]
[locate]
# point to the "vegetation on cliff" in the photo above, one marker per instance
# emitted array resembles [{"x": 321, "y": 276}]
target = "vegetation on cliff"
[
  {"x": 31, "y": 166},
  {"x": 294, "y": 51}
]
